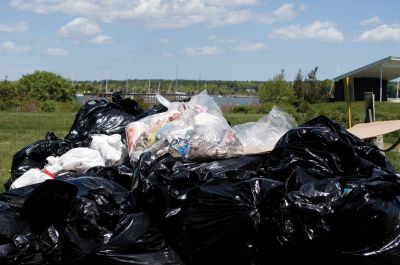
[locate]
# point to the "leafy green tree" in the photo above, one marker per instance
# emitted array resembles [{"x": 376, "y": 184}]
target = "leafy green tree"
[
  {"x": 8, "y": 90},
  {"x": 312, "y": 75},
  {"x": 276, "y": 90},
  {"x": 309, "y": 86},
  {"x": 43, "y": 85},
  {"x": 298, "y": 85},
  {"x": 314, "y": 90}
]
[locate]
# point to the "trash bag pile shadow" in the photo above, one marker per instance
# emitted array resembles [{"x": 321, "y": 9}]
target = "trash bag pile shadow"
[{"x": 321, "y": 196}]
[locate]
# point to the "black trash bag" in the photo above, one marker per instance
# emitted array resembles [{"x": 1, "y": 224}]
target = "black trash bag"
[
  {"x": 153, "y": 110},
  {"x": 160, "y": 184},
  {"x": 102, "y": 229},
  {"x": 20, "y": 244},
  {"x": 343, "y": 219},
  {"x": 48, "y": 203},
  {"x": 98, "y": 208},
  {"x": 229, "y": 221},
  {"x": 127, "y": 104},
  {"x": 166, "y": 256},
  {"x": 31, "y": 219},
  {"x": 34, "y": 155},
  {"x": 121, "y": 173},
  {"x": 136, "y": 241},
  {"x": 341, "y": 196},
  {"x": 324, "y": 149},
  {"x": 104, "y": 117}
]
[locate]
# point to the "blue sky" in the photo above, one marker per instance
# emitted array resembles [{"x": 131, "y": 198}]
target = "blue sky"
[{"x": 211, "y": 39}]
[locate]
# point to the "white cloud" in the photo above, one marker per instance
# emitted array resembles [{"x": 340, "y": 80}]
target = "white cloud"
[
  {"x": 101, "y": 39},
  {"x": 303, "y": 7},
  {"x": 56, "y": 52},
  {"x": 82, "y": 27},
  {"x": 218, "y": 40},
  {"x": 382, "y": 33},
  {"x": 12, "y": 48},
  {"x": 372, "y": 20},
  {"x": 16, "y": 27},
  {"x": 318, "y": 30},
  {"x": 79, "y": 27},
  {"x": 202, "y": 51},
  {"x": 237, "y": 45},
  {"x": 165, "y": 41},
  {"x": 250, "y": 46},
  {"x": 284, "y": 12},
  {"x": 232, "y": 2},
  {"x": 155, "y": 13},
  {"x": 231, "y": 18}
]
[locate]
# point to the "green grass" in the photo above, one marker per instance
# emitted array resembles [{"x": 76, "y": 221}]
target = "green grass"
[
  {"x": 384, "y": 110},
  {"x": 20, "y": 129},
  {"x": 237, "y": 118}
]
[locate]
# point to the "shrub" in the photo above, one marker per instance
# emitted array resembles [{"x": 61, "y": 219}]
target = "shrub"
[
  {"x": 44, "y": 85},
  {"x": 48, "y": 106},
  {"x": 228, "y": 108},
  {"x": 73, "y": 106},
  {"x": 241, "y": 109}
]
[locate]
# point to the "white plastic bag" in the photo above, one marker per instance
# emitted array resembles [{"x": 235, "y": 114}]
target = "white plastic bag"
[
  {"x": 78, "y": 159},
  {"x": 262, "y": 136},
  {"x": 109, "y": 146},
  {"x": 32, "y": 176},
  {"x": 279, "y": 119},
  {"x": 257, "y": 137}
]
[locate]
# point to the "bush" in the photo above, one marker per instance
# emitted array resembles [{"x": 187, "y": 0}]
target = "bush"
[
  {"x": 48, "y": 106},
  {"x": 229, "y": 108},
  {"x": 73, "y": 106},
  {"x": 276, "y": 90},
  {"x": 8, "y": 104},
  {"x": 241, "y": 109},
  {"x": 14, "y": 105},
  {"x": 28, "y": 106},
  {"x": 19, "y": 105},
  {"x": 44, "y": 86},
  {"x": 304, "y": 107}
]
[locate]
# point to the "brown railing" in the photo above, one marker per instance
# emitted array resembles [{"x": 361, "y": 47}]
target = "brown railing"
[{"x": 149, "y": 98}]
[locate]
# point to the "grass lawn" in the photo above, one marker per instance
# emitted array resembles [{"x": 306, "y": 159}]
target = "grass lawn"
[
  {"x": 20, "y": 129},
  {"x": 384, "y": 110},
  {"x": 238, "y": 118}
]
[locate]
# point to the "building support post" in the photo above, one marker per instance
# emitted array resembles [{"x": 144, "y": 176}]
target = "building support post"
[
  {"x": 348, "y": 96},
  {"x": 380, "y": 93}
]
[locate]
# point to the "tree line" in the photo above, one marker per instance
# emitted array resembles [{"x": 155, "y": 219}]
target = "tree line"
[
  {"x": 44, "y": 86},
  {"x": 305, "y": 88}
]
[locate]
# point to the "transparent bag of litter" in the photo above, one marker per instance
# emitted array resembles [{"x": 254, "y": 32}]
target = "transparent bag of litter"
[
  {"x": 261, "y": 136},
  {"x": 196, "y": 130},
  {"x": 196, "y": 124}
]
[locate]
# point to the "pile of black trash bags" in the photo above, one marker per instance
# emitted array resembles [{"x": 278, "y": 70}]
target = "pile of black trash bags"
[{"x": 322, "y": 196}]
